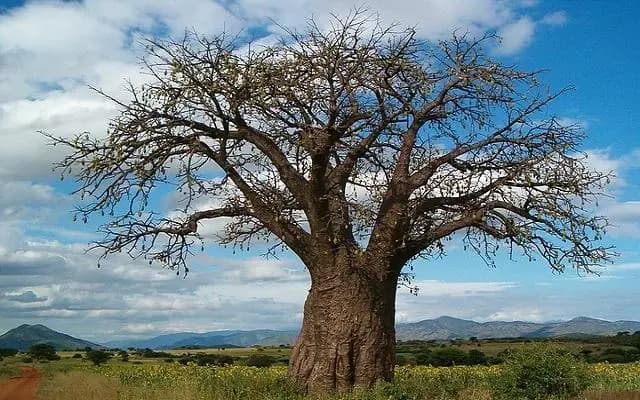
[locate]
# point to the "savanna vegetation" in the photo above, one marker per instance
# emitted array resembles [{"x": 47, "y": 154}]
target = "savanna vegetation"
[
  {"x": 118, "y": 380},
  {"x": 510, "y": 369}
]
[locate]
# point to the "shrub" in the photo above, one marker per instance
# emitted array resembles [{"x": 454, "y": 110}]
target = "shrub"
[
  {"x": 43, "y": 351},
  {"x": 260, "y": 360},
  {"x": 124, "y": 356},
  {"x": 401, "y": 359},
  {"x": 148, "y": 353},
  {"x": 8, "y": 352},
  {"x": 444, "y": 357},
  {"x": 541, "y": 372},
  {"x": 98, "y": 357},
  {"x": 225, "y": 360},
  {"x": 77, "y": 355},
  {"x": 476, "y": 357}
]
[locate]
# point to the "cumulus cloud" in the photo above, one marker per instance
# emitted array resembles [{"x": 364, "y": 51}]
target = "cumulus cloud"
[
  {"x": 516, "y": 35},
  {"x": 46, "y": 65}
]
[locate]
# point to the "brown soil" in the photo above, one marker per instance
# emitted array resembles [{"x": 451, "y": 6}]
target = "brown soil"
[{"x": 21, "y": 387}]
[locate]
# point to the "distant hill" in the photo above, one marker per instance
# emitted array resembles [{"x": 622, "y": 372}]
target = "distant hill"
[
  {"x": 264, "y": 337},
  {"x": 25, "y": 336},
  {"x": 443, "y": 328}
]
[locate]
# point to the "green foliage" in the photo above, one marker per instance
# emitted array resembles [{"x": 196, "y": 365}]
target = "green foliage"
[
  {"x": 203, "y": 359},
  {"x": 8, "y": 352},
  {"x": 614, "y": 355},
  {"x": 43, "y": 351},
  {"x": 450, "y": 356},
  {"x": 476, "y": 357},
  {"x": 541, "y": 372},
  {"x": 627, "y": 339},
  {"x": 77, "y": 355},
  {"x": 401, "y": 359},
  {"x": 148, "y": 353},
  {"x": 98, "y": 357},
  {"x": 260, "y": 360}
]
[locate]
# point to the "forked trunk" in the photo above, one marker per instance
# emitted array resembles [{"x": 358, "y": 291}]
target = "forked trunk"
[{"x": 348, "y": 333}]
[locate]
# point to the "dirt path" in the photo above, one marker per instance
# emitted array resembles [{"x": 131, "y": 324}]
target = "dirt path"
[{"x": 21, "y": 387}]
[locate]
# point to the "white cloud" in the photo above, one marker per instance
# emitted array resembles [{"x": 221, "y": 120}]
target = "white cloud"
[
  {"x": 625, "y": 267},
  {"x": 528, "y": 314},
  {"x": 260, "y": 269},
  {"x": 25, "y": 297},
  {"x": 515, "y": 36},
  {"x": 602, "y": 160},
  {"x": 624, "y": 217},
  {"x": 433, "y": 288},
  {"x": 557, "y": 18},
  {"x": 52, "y": 50}
]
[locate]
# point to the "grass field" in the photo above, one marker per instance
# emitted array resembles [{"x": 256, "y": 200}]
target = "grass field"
[
  {"x": 240, "y": 352},
  {"x": 161, "y": 378},
  {"x": 8, "y": 367},
  {"x": 72, "y": 379},
  {"x": 493, "y": 348}
]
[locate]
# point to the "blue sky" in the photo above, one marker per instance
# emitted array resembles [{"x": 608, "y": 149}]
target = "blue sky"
[{"x": 50, "y": 51}]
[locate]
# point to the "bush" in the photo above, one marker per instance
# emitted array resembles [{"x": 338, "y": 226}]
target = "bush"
[
  {"x": 98, "y": 357},
  {"x": 260, "y": 360},
  {"x": 476, "y": 357},
  {"x": 77, "y": 355},
  {"x": 43, "y": 351},
  {"x": 203, "y": 359},
  {"x": 541, "y": 372},
  {"x": 8, "y": 352},
  {"x": 148, "y": 353},
  {"x": 124, "y": 356},
  {"x": 401, "y": 359},
  {"x": 444, "y": 357}
]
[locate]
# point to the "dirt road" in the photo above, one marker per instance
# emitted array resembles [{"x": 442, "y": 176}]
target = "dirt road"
[{"x": 22, "y": 387}]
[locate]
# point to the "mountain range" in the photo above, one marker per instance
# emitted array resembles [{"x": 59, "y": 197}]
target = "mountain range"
[
  {"x": 443, "y": 328},
  {"x": 25, "y": 336},
  {"x": 264, "y": 337},
  {"x": 454, "y": 328}
]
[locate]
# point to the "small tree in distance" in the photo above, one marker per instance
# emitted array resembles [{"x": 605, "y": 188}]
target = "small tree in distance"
[
  {"x": 359, "y": 148},
  {"x": 43, "y": 351},
  {"x": 98, "y": 357}
]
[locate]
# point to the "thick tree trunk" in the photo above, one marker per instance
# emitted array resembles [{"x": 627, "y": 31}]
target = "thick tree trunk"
[{"x": 348, "y": 333}]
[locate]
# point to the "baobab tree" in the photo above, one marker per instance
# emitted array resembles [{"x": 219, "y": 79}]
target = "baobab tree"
[{"x": 358, "y": 147}]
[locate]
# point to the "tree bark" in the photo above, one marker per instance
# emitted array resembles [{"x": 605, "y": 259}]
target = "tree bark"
[{"x": 348, "y": 332}]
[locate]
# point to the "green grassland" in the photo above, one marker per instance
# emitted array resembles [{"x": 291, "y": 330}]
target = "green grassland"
[
  {"x": 72, "y": 379},
  {"x": 591, "y": 350},
  {"x": 176, "y": 375},
  {"x": 8, "y": 367},
  {"x": 407, "y": 351}
]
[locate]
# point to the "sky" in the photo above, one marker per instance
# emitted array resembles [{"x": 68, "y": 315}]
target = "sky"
[{"x": 50, "y": 51}]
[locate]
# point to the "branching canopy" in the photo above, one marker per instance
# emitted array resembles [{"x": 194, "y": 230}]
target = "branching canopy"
[{"x": 360, "y": 137}]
